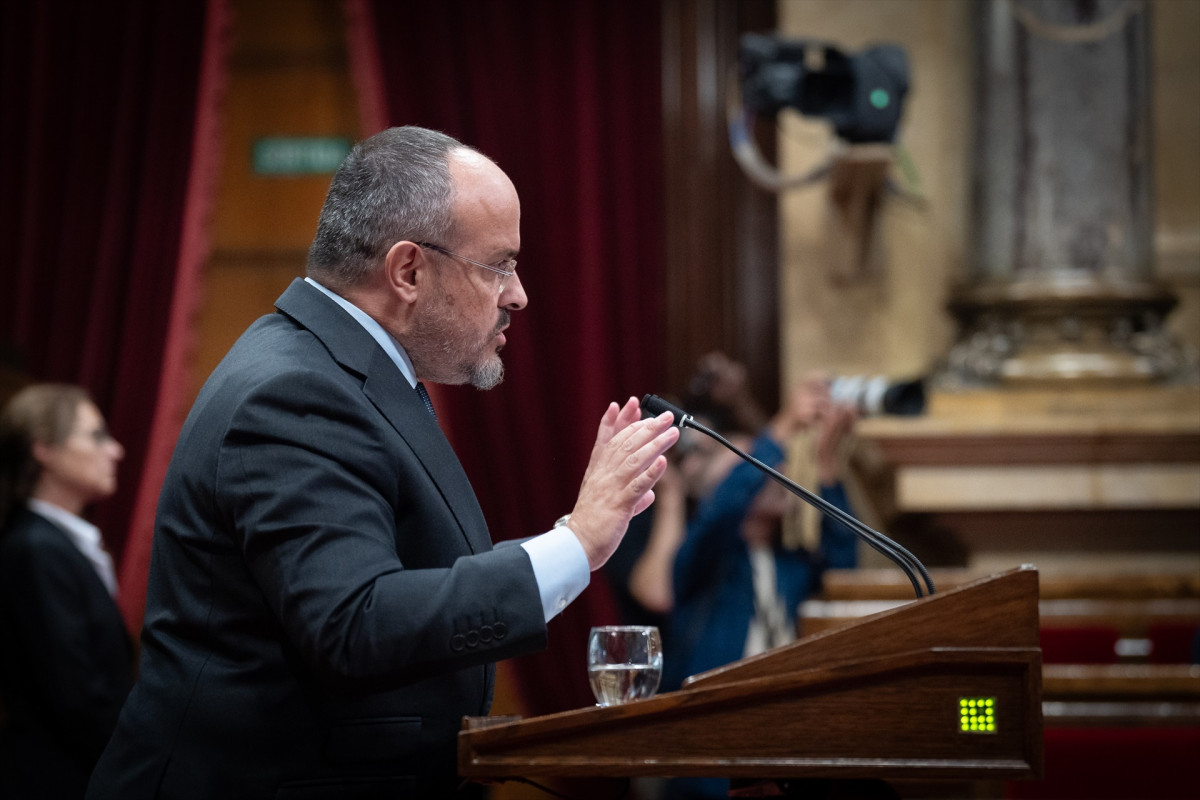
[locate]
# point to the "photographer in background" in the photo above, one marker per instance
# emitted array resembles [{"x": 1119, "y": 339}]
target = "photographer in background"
[
  {"x": 640, "y": 571},
  {"x": 737, "y": 585},
  {"x": 738, "y": 581}
]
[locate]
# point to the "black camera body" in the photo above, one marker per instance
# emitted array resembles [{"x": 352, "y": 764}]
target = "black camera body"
[{"x": 862, "y": 94}]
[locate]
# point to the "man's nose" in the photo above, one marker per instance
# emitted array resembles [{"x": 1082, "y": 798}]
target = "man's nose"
[{"x": 513, "y": 295}]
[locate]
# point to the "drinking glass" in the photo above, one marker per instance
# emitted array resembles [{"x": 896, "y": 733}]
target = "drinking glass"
[{"x": 624, "y": 663}]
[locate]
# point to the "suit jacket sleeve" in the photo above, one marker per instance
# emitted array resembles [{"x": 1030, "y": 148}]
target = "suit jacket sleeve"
[{"x": 358, "y": 551}]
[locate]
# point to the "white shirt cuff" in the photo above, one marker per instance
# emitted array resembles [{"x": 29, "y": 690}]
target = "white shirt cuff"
[{"x": 560, "y": 567}]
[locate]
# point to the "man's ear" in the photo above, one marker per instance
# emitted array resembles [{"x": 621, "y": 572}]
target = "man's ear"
[{"x": 404, "y": 266}]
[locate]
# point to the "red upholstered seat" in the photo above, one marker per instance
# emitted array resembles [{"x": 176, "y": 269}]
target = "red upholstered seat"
[
  {"x": 1173, "y": 643},
  {"x": 1115, "y": 764},
  {"x": 1080, "y": 645}
]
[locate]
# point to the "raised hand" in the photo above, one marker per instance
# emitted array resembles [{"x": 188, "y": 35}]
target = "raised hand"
[
  {"x": 627, "y": 460},
  {"x": 838, "y": 421}
]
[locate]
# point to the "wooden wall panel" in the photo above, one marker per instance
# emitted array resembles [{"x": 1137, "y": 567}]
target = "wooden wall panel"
[
  {"x": 288, "y": 77},
  {"x": 722, "y": 241}
]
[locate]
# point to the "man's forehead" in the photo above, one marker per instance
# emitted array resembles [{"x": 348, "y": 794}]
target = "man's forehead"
[
  {"x": 483, "y": 193},
  {"x": 468, "y": 158},
  {"x": 470, "y": 168}
]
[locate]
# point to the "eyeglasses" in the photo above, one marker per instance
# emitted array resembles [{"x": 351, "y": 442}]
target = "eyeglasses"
[
  {"x": 505, "y": 268},
  {"x": 98, "y": 435}
]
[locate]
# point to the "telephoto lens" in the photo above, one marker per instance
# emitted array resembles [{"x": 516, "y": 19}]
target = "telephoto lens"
[{"x": 874, "y": 395}]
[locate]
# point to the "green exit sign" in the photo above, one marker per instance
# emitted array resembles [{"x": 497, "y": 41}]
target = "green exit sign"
[{"x": 299, "y": 155}]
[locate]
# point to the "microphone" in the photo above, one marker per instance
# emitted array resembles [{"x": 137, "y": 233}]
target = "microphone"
[{"x": 653, "y": 405}]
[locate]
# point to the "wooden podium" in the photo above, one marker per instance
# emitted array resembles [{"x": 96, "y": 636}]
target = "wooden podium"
[{"x": 946, "y": 687}]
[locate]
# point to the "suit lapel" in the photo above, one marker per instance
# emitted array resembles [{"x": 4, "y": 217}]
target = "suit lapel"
[
  {"x": 402, "y": 407},
  {"x": 386, "y": 389}
]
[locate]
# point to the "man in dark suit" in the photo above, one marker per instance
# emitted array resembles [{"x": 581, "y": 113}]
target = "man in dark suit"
[
  {"x": 66, "y": 659},
  {"x": 325, "y": 603}
]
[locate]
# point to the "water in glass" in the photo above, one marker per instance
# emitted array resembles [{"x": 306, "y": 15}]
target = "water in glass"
[{"x": 624, "y": 662}]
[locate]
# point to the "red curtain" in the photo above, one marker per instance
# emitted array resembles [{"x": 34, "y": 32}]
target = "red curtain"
[
  {"x": 566, "y": 98},
  {"x": 103, "y": 199}
]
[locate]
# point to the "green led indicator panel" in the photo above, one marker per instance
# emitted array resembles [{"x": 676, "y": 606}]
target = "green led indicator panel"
[{"x": 977, "y": 715}]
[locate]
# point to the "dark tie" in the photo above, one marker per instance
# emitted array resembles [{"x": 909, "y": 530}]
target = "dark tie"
[{"x": 425, "y": 397}]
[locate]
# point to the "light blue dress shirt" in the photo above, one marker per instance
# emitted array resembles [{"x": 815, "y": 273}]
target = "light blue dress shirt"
[{"x": 559, "y": 563}]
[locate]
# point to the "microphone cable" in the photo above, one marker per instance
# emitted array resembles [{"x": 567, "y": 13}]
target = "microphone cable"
[{"x": 908, "y": 563}]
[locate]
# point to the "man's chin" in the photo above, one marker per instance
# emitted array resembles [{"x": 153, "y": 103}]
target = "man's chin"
[{"x": 489, "y": 374}]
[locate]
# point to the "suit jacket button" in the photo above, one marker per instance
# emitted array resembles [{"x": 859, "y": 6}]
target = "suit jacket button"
[
  {"x": 499, "y": 630},
  {"x": 457, "y": 642},
  {"x": 472, "y": 638},
  {"x": 485, "y": 634}
]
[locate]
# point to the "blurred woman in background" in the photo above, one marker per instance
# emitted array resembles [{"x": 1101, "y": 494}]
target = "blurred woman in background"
[{"x": 66, "y": 658}]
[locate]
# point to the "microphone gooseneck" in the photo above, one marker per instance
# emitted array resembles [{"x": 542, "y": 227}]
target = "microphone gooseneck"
[{"x": 653, "y": 405}]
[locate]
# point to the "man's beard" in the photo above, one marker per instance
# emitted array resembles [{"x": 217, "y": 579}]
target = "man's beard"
[
  {"x": 486, "y": 374},
  {"x": 441, "y": 355}
]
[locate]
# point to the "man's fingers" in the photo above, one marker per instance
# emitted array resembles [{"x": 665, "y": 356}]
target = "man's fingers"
[
  {"x": 631, "y": 412},
  {"x": 648, "y": 462},
  {"x": 627, "y": 463},
  {"x": 649, "y": 479},
  {"x": 619, "y": 483},
  {"x": 608, "y": 427},
  {"x": 616, "y": 418},
  {"x": 642, "y": 504},
  {"x": 644, "y": 440}
]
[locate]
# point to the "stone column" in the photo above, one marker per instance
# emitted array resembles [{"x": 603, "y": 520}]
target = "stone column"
[{"x": 1060, "y": 285}]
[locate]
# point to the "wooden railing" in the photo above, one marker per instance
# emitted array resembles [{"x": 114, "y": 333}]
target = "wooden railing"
[{"x": 1140, "y": 619}]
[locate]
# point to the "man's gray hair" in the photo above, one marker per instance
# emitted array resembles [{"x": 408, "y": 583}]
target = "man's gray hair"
[{"x": 393, "y": 186}]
